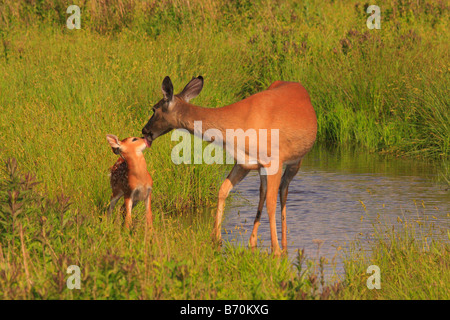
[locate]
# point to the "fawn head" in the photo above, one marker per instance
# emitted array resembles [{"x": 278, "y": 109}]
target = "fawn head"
[
  {"x": 167, "y": 112},
  {"x": 128, "y": 147}
]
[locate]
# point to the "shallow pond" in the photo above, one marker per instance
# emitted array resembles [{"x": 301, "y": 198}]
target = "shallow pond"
[{"x": 336, "y": 197}]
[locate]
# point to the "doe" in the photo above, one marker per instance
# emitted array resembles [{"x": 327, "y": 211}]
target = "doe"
[{"x": 284, "y": 107}]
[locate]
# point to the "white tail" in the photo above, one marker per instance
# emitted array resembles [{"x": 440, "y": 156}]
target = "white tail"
[{"x": 129, "y": 176}]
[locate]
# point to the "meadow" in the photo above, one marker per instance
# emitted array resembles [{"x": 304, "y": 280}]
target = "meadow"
[{"x": 62, "y": 91}]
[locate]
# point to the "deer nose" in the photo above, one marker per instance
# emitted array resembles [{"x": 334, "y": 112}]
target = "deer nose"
[{"x": 147, "y": 133}]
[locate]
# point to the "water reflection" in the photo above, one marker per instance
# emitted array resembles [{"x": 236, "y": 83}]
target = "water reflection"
[{"x": 338, "y": 195}]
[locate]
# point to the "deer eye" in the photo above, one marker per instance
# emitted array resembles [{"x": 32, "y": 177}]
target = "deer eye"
[{"x": 134, "y": 139}]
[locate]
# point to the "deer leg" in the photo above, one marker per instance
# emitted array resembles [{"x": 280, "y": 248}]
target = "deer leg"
[
  {"x": 114, "y": 199},
  {"x": 273, "y": 183},
  {"x": 128, "y": 207},
  {"x": 262, "y": 199},
  {"x": 289, "y": 174},
  {"x": 148, "y": 210},
  {"x": 236, "y": 175}
]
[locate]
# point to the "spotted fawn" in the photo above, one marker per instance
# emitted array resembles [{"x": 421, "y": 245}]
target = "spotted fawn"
[{"x": 129, "y": 176}]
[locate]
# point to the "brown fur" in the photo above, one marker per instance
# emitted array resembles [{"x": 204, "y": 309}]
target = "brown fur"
[
  {"x": 285, "y": 106},
  {"x": 130, "y": 178}
]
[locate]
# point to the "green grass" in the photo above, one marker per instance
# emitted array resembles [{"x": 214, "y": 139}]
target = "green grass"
[
  {"x": 62, "y": 91},
  {"x": 41, "y": 237},
  {"x": 413, "y": 257}
]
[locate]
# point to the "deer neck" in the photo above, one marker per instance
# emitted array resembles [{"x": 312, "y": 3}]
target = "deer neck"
[
  {"x": 136, "y": 165},
  {"x": 210, "y": 118}
]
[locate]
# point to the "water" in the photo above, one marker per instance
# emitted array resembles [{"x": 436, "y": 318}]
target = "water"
[{"x": 336, "y": 197}]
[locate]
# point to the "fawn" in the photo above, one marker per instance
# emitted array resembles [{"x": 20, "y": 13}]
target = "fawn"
[{"x": 129, "y": 176}]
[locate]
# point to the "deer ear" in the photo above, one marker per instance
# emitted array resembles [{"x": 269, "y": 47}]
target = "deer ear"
[
  {"x": 192, "y": 89},
  {"x": 113, "y": 142},
  {"x": 167, "y": 89}
]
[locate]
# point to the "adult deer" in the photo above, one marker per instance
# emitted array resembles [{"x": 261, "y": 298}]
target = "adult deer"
[{"x": 284, "y": 106}]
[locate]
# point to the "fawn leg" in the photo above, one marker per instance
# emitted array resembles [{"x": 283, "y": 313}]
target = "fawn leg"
[
  {"x": 148, "y": 210},
  {"x": 114, "y": 199},
  {"x": 128, "y": 207}
]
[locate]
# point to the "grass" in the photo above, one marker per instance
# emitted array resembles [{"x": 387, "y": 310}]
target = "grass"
[
  {"x": 41, "y": 238},
  {"x": 413, "y": 257},
  {"x": 62, "y": 91}
]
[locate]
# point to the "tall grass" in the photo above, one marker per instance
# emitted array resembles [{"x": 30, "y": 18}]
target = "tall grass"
[
  {"x": 413, "y": 257},
  {"x": 381, "y": 89},
  {"x": 58, "y": 105},
  {"x": 63, "y": 90},
  {"x": 41, "y": 237}
]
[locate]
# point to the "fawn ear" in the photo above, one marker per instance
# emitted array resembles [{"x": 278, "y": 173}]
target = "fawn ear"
[
  {"x": 113, "y": 142},
  {"x": 192, "y": 89}
]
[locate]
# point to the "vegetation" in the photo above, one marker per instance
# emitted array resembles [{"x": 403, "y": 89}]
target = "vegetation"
[
  {"x": 62, "y": 91},
  {"x": 412, "y": 257},
  {"x": 40, "y": 238}
]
